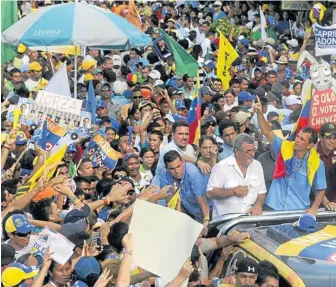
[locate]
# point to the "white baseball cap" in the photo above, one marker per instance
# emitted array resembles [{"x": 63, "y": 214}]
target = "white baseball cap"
[
  {"x": 292, "y": 100},
  {"x": 155, "y": 75},
  {"x": 218, "y": 3}
]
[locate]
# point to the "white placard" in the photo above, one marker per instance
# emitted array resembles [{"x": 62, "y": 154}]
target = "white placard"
[
  {"x": 58, "y": 102},
  {"x": 163, "y": 238}
]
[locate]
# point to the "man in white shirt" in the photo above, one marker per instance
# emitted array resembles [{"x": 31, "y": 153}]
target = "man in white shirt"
[
  {"x": 237, "y": 183},
  {"x": 180, "y": 144},
  {"x": 35, "y": 81}
]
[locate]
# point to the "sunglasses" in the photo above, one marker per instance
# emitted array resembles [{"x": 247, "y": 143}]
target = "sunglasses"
[
  {"x": 211, "y": 125},
  {"x": 105, "y": 90},
  {"x": 135, "y": 98},
  {"x": 18, "y": 234}
]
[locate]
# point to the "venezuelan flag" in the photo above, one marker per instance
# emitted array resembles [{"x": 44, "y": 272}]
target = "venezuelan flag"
[
  {"x": 303, "y": 118},
  {"x": 104, "y": 154},
  {"x": 194, "y": 115}
]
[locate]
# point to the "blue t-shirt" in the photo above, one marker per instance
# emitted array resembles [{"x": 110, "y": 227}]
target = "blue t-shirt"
[{"x": 292, "y": 191}]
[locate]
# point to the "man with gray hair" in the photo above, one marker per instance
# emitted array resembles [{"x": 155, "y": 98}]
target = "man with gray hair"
[{"x": 237, "y": 183}]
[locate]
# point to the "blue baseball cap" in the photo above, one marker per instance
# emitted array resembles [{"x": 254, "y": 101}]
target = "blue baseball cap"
[
  {"x": 77, "y": 214},
  {"x": 209, "y": 64},
  {"x": 21, "y": 139},
  {"x": 245, "y": 42},
  {"x": 71, "y": 148},
  {"x": 143, "y": 62},
  {"x": 79, "y": 284},
  {"x": 306, "y": 222},
  {"x": 100, "y": 105},
  {"x": 87, "y": 266},
  {"x": 179, "y": 104},
  {"x": 18, "y": 223},
  {"x": 241, "y": 68},
  {"x": 129, "y": 155},
  {"x": 246, "y": 96}
]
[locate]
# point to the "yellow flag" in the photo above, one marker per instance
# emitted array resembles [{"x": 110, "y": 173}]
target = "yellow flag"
[
  {"x": 56, "y": 157},
  {"x": 226, "y": 55}
]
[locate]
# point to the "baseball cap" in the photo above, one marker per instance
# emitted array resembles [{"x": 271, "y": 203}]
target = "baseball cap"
[
  {"x": 100, "y": 105},
  {"x": 7, "y": 254},
  {"x": 15, "y": 273},
  {"x": 159, "y": 83},
  {"x": 172, "y": 91},
  {"x": 241, "y": 68},
  {"x": 21, "y": 48},
  {"x": 18, "y": 223},
  {"x": 119, "y": 87},
  {"x": 132, "y": 78},
  {"x": 241, "y": 117},
  {"x": 171, "y": 20},
  {"x": 77, "y": 214},
  {"x": 328, "y": 129},
  {"x": 146, "y": 93},
  {"x": 244, "y": 41},
  {"x": 71, "y": 228},
  {"x": 79, "y": 284},
  {"x": 245, "y": 96},
  {"x": 292, "y": 100},
  {"x": 155, "y": 75},
  {"x": 98, "y": 71},
  {"x": 246, "y": 265},
  {"x": 218, "y": 3},
  {"x": 35, "y": 66},
  {"x": 282, "y": 60},
  {"x": 71, "y": 148},
  {"x": 210, "y": 120},
  {"x": 143, "y": 62},
  {"x": 146, "y": 103},
  {"x": 260, "y": 92},
  {"x": 169, "y": 118},
  {"x": 271, "y": 97},
  {"x": 179, "y": 104},
  {"x": 293, "y": 43},
  {"x": 306, "y": 222},
  {"x": 128, "y": 156},
  {"x": 86, "y": 266},
  {"x": 21, "y": 139},
  {"x": 88, "y": 63},
  {"x": 206, "y": 91},
  {"x": 209, "y": 64}
]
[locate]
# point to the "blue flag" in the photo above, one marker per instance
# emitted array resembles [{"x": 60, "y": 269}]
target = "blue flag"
[
  {"x": 130, "y": 134},
  {"x": 91, "y": 103},
  {"x": 42, "y": 142}
]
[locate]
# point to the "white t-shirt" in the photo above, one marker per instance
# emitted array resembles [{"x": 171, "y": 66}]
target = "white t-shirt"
[{"x": 26, "y": 249}]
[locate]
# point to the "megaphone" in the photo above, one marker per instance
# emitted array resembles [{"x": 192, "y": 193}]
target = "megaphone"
[{"x": 74, "y": 136}]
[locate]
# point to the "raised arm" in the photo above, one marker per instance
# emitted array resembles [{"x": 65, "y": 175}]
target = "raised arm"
[{"x": 263, "y": 124}]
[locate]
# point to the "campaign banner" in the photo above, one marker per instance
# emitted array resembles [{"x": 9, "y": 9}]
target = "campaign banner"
[
  {"x": 295, "y": 5},
  {"x": 325, "y": 40},
  {"x": 102, "y": 153},
  {"x": 323, "y": 108},
  {"x": 58, "y": 102}
]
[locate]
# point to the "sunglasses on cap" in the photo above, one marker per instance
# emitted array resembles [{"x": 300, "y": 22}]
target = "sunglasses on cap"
[
  {"x": 18, "y": 234},
  {"x": 105, "y": 90},
  {"x": 212, "y": 124}
]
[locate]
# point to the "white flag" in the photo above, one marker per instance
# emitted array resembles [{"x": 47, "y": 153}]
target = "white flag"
[
  {"x": 59, "y": 83},
  {"x": 263, "y": 25}
]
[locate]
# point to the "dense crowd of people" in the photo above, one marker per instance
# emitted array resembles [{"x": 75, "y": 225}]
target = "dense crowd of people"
[{"x": 241, "y": 162}]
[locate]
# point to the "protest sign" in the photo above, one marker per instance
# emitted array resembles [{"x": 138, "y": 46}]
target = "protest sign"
[
  {"x": 226, "y": 55},
  {"x": 295, "y": 5},
  {"x": 323, "y": 108},
  {"x": 325, "y": 40},
  {"x": 58, "y": 102},
  {"x": 101, "y": 152},
  {"x": 162, "y": 233},
  {"x": 57, "y": 243}
]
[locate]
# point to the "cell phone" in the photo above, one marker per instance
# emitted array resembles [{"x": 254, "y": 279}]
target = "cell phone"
[{"x": 210, "y": 108}]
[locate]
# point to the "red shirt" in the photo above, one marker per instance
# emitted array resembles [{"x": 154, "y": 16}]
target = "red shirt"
[{"x": 330, "y": 167}]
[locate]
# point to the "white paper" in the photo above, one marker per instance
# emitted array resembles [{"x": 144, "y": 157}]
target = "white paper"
[
  {"x": 57, "y": 243},
  {"x": 163, "y": 238}
]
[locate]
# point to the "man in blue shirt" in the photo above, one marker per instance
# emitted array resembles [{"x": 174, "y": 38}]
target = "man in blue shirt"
[
  {"x": 290, "y": 190},
  {"x": 228, "y": 132},
  {"x": 191, "y": 184}
]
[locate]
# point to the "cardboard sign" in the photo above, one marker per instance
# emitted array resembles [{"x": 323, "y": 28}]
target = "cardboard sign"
[
  {"x": 295, "y": 5},
  {"x": 58, "y": 102},
  {"x": 325, "y": 40},
  {"x": 323, "y": 108},
  {"x": 57, "y": 243}
]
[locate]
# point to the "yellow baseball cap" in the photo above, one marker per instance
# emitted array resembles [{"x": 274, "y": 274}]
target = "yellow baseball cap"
[
  {"x": 88, "y": 64},
  {"x": 15, "y": 273},
  {"x": 21, "y": 48},
  {"x": 35, "y": 66}
]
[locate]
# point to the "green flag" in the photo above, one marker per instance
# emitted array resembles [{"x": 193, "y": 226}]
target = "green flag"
[
  {"x": 9, "y": 15},
  {"x": 185, "y": 63}
]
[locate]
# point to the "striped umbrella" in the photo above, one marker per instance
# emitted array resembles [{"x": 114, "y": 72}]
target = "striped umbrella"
[{"x": 78, "y": 24}]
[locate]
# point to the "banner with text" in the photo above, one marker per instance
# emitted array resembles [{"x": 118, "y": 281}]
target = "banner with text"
[
  {"x": 295, "y": 5},
  {"x": 325, "y": 40}
]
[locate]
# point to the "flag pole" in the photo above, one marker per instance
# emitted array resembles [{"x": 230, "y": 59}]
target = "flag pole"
[{"x": 44, "y": 164}]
